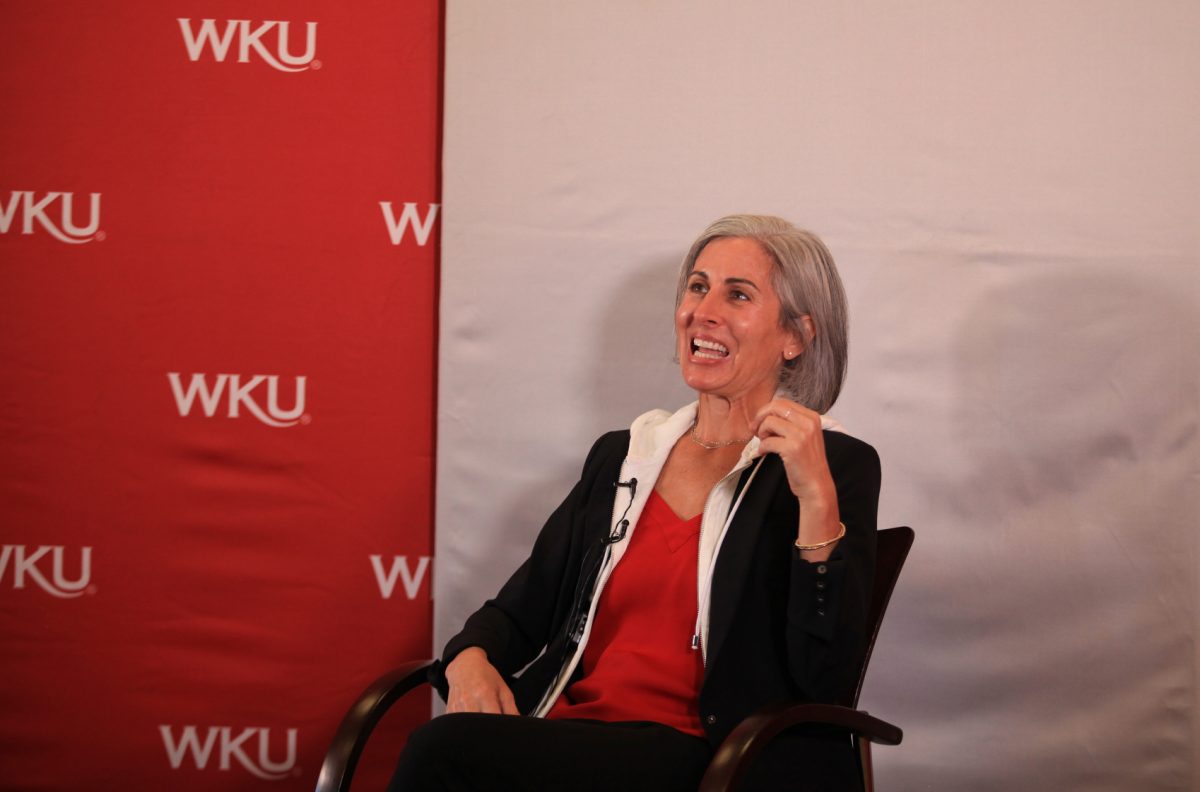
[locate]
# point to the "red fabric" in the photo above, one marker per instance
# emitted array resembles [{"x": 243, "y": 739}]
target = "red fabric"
[
  {"x": 638, "y": 663},
  {"x": 217, "y": 395}
]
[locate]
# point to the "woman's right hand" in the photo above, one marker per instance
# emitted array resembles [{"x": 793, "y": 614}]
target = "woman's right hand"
[{"x": 476, "y": 685}]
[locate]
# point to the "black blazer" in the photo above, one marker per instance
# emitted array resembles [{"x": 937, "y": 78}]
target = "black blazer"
[{"x": 780, "y": 628}]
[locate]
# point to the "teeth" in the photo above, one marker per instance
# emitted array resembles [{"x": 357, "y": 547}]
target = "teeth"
[{"x": 709, "y": 349}]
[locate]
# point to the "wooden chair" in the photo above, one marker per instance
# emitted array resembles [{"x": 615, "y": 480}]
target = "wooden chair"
[{"x": 733, "y": 757}]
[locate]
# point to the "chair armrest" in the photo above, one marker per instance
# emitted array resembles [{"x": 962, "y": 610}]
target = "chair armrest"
[
  {"x": 351, "y": 737},
  {"x": 743, "y": 745}
]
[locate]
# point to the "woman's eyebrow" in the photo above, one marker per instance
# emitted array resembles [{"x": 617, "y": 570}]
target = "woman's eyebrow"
[{"x": 728, "y": 281}]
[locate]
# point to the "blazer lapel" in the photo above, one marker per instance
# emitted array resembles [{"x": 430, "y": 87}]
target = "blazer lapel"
[{"x": 735, "y": 553}]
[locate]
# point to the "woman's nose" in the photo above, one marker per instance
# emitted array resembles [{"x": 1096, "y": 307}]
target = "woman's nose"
[{"x": 706, "y": 309}]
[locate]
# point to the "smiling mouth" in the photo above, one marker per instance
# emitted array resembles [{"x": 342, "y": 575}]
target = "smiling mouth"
[{"x": 708, "y": 350}]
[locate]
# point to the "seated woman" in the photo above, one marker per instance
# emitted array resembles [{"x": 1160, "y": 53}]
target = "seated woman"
[{"x": 707, "y": 563}]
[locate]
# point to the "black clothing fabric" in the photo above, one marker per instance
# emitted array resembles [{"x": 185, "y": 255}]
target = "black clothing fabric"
[
  {"x": 473, "y": 752},
  {"x": 780, "y": 628}
]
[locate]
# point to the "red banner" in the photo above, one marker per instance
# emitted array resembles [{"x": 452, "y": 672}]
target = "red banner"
[{"x": 218, "y": 233}]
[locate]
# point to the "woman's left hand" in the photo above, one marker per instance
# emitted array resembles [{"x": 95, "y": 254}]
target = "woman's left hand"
[{"x": 794, "y": 433}]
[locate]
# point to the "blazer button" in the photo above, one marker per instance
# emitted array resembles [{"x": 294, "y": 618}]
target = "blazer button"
[
  {"x": 820, "y": 611},
  {"x": 710, "y": 719},
  {"x": 822, "y": 569},
  {"x": 820, "y": 585}
]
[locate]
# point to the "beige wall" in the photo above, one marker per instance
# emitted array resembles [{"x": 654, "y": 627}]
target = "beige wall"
[{"x": 1010, "y": 190}]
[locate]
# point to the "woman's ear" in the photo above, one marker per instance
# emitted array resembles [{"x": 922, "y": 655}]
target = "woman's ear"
[{"x": 799, "y": 341}]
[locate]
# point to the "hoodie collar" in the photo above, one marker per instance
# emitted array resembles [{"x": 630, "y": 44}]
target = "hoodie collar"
[{"x": 654, "y": 434}]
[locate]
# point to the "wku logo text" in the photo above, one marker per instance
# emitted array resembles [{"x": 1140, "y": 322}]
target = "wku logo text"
[
  {"x": 250, "y": 38},
  {"x": 231, "y": 745},
  {"x": 409, "y": 217},
  {"x": 238, "y": 394},
  {"x": 18, "y": 563},
  {"x": 402, "y": 570},
  {"x": 31, "y": 209}
]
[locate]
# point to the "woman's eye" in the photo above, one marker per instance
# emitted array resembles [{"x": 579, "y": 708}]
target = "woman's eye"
[
  {"x": 698, "y": 287},
  {"x": 738, "y": 294}
]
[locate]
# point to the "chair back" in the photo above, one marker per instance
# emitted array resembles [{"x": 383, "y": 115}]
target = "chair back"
[{"x": 892, "y": 546}]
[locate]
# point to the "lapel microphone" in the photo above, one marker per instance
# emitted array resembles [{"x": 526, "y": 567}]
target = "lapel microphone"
[{"x": 618, "y": 533}]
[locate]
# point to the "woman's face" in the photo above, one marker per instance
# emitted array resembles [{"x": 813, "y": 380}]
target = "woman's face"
[{"x": 730, "y": 341}]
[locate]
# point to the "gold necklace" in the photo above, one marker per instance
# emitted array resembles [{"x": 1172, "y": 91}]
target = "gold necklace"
[{"x": 714, "y": 446}]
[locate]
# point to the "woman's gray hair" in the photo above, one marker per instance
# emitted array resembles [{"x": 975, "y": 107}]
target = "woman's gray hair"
[{"x": 807, "y": 282}]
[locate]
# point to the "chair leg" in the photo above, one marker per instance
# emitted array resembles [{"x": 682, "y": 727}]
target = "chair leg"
[{"x": 864, "y": 759}]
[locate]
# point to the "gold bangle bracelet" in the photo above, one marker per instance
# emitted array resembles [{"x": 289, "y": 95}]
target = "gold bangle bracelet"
[{"x": 826, "y": 543}]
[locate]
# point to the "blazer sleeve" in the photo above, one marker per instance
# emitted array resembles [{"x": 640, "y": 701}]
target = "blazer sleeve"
[
  {"x": 829, "y": 601},
  {"x": 514, "y": 626}
]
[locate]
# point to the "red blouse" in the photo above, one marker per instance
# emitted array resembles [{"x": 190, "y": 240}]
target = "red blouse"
[{"x": 638, "y": 663}]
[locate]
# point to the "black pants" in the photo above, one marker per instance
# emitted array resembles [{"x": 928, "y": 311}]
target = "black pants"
[{"x": 478, "y": 753}]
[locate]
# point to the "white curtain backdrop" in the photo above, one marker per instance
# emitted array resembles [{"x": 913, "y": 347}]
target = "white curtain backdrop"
[{"x": 1011, "y": 193}]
